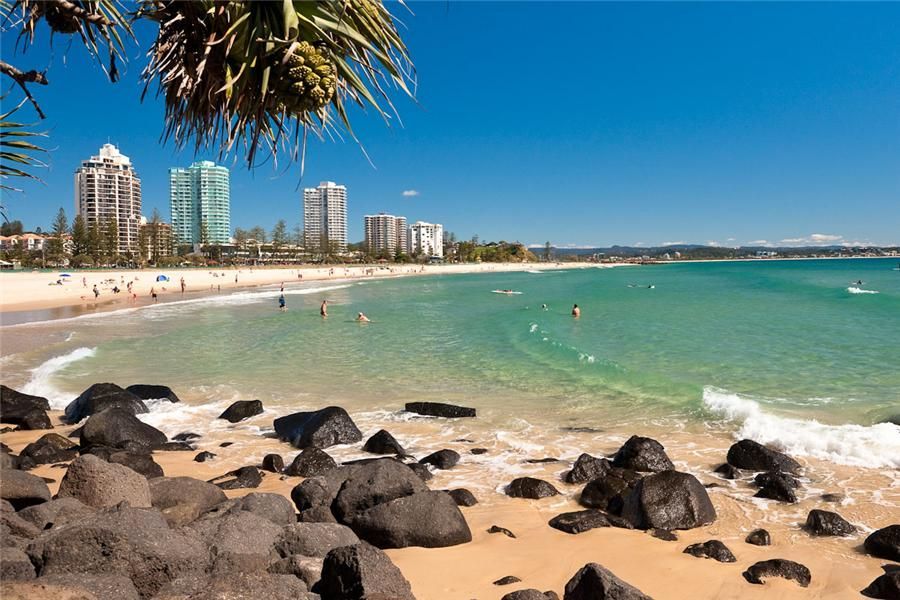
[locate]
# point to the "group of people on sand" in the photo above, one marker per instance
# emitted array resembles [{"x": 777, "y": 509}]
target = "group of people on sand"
[{"x": 323, "y": 308}]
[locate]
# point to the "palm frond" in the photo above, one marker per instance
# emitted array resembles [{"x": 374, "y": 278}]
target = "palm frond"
[{"x": 18, "y": 152}]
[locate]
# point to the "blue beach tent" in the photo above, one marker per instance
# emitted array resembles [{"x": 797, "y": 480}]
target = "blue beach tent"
[{"x": 162, "y": 278}]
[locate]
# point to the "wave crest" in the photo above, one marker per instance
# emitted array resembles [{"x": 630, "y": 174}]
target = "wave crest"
[{"x": 41, "y": 382}]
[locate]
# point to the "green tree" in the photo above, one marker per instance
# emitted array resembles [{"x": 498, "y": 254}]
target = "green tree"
[
  {"x": 279, "y": 235},
  {"x": 80, "y": 241},
  {"x": 111, "y": 241},
  {"x": 95, "y": 243},
  {"x": 547, "y": 249},
  {"x": 11, "y": 228},
  {"x": 57, "y": 244}
]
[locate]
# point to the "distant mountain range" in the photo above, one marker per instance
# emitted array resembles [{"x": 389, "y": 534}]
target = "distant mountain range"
[{"x": 695, "y": 249}]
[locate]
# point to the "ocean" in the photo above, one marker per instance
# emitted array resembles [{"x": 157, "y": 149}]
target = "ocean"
[{"x": 790, "y": 353}]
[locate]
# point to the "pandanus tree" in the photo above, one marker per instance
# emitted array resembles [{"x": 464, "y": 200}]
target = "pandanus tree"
[{"x": 236, "y": 77}]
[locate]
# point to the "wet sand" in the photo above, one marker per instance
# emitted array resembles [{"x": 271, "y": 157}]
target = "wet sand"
[{"x": 545, "y": 558}]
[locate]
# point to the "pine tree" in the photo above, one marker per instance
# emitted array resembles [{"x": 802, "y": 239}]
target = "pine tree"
[
  {"x": 279, "y": 235},
  {"x": 80, "y": 243},
  {"x": 95, "y": 242},
  {"x": 57, "y": 248},
  {"x": 111, "y": 241}
]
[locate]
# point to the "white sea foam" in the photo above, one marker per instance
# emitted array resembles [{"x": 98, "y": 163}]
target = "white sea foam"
[
  {"x": 856, "y": 290},
  {"x": 41, "y": 382},
  {"x": 850, "y": 444}
]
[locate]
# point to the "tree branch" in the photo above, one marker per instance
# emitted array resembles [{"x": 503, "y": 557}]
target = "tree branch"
[
  {"x": 24, "y": 77},
  {"x": 79, "y": 13}
]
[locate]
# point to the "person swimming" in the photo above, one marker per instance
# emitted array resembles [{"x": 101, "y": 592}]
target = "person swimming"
[
  {"x": 362, "y": 318},
  {"x": 576, "y": 312},
  {"x": 544, "y": 307}
]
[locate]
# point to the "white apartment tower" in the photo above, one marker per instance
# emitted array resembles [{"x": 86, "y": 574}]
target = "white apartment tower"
[
  {"x": 325, "y": 217},
  {"x": 107, "y": 188},
  {"x": 385, "y": 233},
  {"x": 426, "y": 239}
]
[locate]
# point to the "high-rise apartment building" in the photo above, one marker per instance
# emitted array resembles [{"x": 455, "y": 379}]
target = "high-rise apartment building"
[
  {"x": 385, "y": 233},
  {"x": 200, "y": 201},
  {"x": 107, "y": 188},
  {"x": 426, "y": 239},
  {"x": 325, "y": 217}
]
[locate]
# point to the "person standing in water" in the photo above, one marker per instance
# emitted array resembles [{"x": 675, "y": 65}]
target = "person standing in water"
[
  {"x": 281, "y": 303},
  {"x": 323, "y": 310},
  {"x": 576, "y": 312},
  {"x": 362, "y": 318}
]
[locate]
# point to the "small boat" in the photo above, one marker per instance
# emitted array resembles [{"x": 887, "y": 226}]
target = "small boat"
[{"x": 507, "y": 292}]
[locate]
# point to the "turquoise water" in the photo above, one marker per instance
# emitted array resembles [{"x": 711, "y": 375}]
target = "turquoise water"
[{"x": 782, "y": 351}]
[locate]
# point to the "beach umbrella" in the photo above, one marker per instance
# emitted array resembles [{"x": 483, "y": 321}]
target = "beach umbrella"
[
  {"x": 64, "y": 275},
  {"x": 162, "y": 278}
]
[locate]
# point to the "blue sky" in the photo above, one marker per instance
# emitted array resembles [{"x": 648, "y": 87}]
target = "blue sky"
[{"x": 578, "y": 123}]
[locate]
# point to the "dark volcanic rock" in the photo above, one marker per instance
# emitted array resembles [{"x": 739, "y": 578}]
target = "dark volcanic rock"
[
  {"x": 245, "y": 477},
  {"x": 306, "y": 568},
  {"x": 176, "y": 447},
  {"x": 15, "y": 564},
  {"x": 225, "y": 585},
  {"x": 321, "y": 428},
  {"x": 530, "y": 487},
  {"x": 642, "y": 454},
  {"x": 56, "y": 513},
  {"x": 442, "y": 459},
  {"x": 115, "y": 426},
  {"x": 374, "y": 483},
  {"x": 579, "y": 521},
  {"x": 508, "y": 580},
  {"x": 186, "y": 436},
  {"x": 274, "y": 507},
  {"x": 478, "y": 451},
  {"x": 238, "y": 540},
  {"x": 313, "y": 539},
  {"x": 102, "y": 396},
  {"x": 777, "y": 486},
  {"x": 421, "y": 471},
  {"x": 885, "y": 587},
  {"x": 273, "y": 463},
  {"x": 153, "y": 392},
  {"x": 139, "y": 462},
  {"x": 204, "y": 456},
  {"x": 362, "y": 572},
  {"x": 50, "y": 448},
  {"x": 22, "y": 489},
  {"x": 428, "y": 519},
  {"x": 382, "y": 442},
  {"x": 527, "y": 594},
  {"x": 832, "y": 498},
  {"x": 713, "y": 549},
  {"x": 27, "y": 411},
  {"x": 242, "y": 409},
  {"x": 541, "y": 461},
  {"x": 463, "y": 497},
  {"x": 310, "y": 462},
  {"x": 669, "y": 500},
  {"x": 168, "y": 492},
  {"x": 664, "y": 535},
  {"x": 503, "y": 530},
  {"x": 595, "y": 582},
  {"x": 587, "y": 468},
  {"x": 759, "y": 537},
  {"x": 728, "y": 471},
  {"x": 315, "y": 495},
  {"x": 30, "y": 421},
  {"x": 778, "y": 567},
  {"x": 884, "y": 543},
  {"x": 608, "y": 491},
  {"x": 439, "y": 409},
  {"x": 823, "y": 522},
  {"x": 752, "y": 456},
  {"x": 100, "y": 484}
]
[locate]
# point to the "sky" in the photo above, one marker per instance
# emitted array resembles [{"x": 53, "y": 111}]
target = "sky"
[{"x": 582, "y": 124}]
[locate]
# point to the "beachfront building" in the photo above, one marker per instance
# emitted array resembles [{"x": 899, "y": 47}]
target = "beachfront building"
[
  {"x": 158, "y": 241},
  {"x": 325, "y": 218},
  {"x": 426, "y": 239},
  {"x": 200, "y": 201},
  {"x": 385, "y": 233},
  {"x": 107, "y": 188}
]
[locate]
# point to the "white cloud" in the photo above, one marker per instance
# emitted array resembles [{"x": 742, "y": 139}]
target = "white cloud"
[
  {"x": 758, "y": 243},
  {"x": 730, "y": 240},
  {"x": 638, "y": 244},
  {"x": 815, "y": 239},
  {"x": 713, "y": 243},
  {"x": 410, "y": 193},
  {"x": 678, "y": 243},
  {"x": 824, "y": 237}
]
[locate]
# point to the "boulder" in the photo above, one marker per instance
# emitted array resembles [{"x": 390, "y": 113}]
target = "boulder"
[
  {"x": 139, "y": 462},
  {"x": 713, "y": 549},
  {"x": 239, "y": 540},
  {"x": 776, "y": 485},
  {"x": 306, "y": 568},
  {"x": 313, "y": 539},
  {"x": 526, "y": 594},
  {"x": 728, "y": 472},
  {"x": 56, "y": 513},
  {"x": 100, "y": 484},
  {"x": 102, "y": 396},
  {"x": 503, "y": 530},
  {"x": 383, "y": 442},
  {"x": 752, "y": 456},
  {"x": 167, "y": 492},
  {"x": 508, "y": 580},
  {"x": 310, "y": 463},
  {"x": 273, "y": 463},
  {"x": 153, "y": 392},
  {"x": 361, "y": 572},
  {"x": 12, "y": 525},
  {"x": 642, "y": 454},
  {"x": 421, "y": 471},
  {"x": 50, "y": 448},
  {"x": 669, "y": 500},
  {"x": 374, "y": 483},
  {"x": 22, "y": 489},
  {"x": 665, "y": 535},
  {"x": 321, "y": 428},
  {"x": 885, "y": 587},
  {"x": 244, "y": 477},
  {"x": 15, "y": 564},
  {"x": 823, "y": 522},
  {"x": 176, "y": 447},
  {"x": 587, "y": 468},
  {"x": 439, "y": 409},
  {"x": 463, "y": 497},
  {"x": 478, "y": 451},
  {"x": 29, "y": 421},
  {"x": 133, "y": 542},
  {"x": 884, "y": 543},
  {"x": 15, "y": 402},
  {"x": 579, "y": 521},
  {"x": 778, "y": 567},
  {"x": 101, "y": 586},
  {"x": 319, "y": 493},
  {"x": 204, "y": 456},
  {"x": 608, "y": 491},
  {"x": 9, "y": 460},
  {"x": 116, "y": 426},
  {"x": 595, "y": 582},
  {"x": 186, "y": 436},
  {"x": 235, "y": 586},
  {"x": 428, "y": 519},
  {"x": 530, "y": 487},
  {"x": 442, "y": 459},
  {"x": 274, "y": 507},
  {"x": 759, "y": 537},
  {"x": 242, "y": 409}
]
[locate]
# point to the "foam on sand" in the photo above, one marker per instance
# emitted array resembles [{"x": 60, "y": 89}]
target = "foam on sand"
[
  {"x": 41, "y": 382},
  {"x": 849, "y": 444},
  {"x": 856, "y": 290}
]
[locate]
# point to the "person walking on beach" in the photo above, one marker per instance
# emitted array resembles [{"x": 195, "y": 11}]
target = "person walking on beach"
[
  {"x": 281, "y": 303},
  {"x": 153, "y": 294},
  {"x": 182, "y": 286},
  {"x": 96, "y": 291},
  {"x": 323, "y": 310},
  {"x": 576, "y": 312}
]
